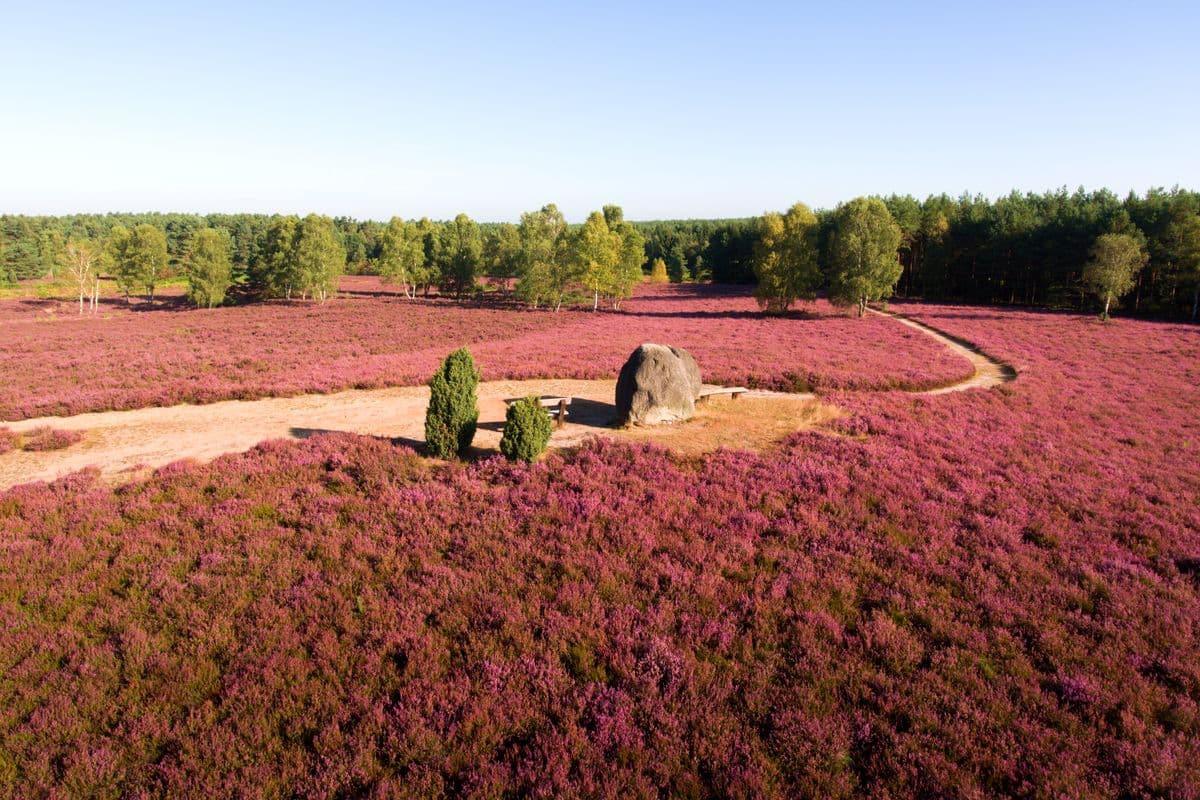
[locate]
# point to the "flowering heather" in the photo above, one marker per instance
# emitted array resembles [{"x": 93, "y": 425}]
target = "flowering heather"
[
  {"x": 988, "y": 593},
  {"x": 46, "y": 438},
  {"x": 8, "y": 441},
  {"x": 816, "y": 348},
  {"x": 371, "y": 337}
]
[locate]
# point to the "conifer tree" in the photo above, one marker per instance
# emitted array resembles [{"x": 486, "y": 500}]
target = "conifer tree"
[{"x": 453, "y": 407}]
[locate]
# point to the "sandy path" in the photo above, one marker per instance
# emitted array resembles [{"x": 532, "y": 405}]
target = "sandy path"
[
  {"x": 125, "y": 444},
  {"x": 989, "y": 371}
]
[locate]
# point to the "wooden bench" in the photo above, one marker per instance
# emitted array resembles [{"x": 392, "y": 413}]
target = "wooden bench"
[
  {"x": 557, "y": 406},
  {"x": 732, "y": 391}
]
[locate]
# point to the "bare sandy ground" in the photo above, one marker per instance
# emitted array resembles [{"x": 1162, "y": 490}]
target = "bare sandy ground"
[{"x": 126, "y": 444}]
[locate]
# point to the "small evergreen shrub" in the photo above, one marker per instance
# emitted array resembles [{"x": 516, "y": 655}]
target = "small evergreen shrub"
[
  {"x": 526, "y": 430},
  {"x": 453, "y": 408},
  {"x": 8, "y": 441}
]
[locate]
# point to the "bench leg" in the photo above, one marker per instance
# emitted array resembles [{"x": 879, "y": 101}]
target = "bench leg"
[{"x": 562, "y": 413}]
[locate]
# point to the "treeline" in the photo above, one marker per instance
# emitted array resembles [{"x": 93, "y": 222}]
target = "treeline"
[
  {"x": 31, "y": 246},
  {"x": 718, "y": 250},
  {"x": 549, "y": 260},
  {"x": 1028, "y": 249},
  {"x": 543, "y": 260},
  {"x": 1033, "y": 249}
]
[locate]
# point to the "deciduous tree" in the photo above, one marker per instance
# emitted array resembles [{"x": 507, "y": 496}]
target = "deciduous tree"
[
  {"x": 461, "y": 255},
  {"x": 785, "y": 258},
  {"x": 80, "y": 259},
  {"x": 320, "y": 259},
  {"x": 209, "y": 268},
  {"x": 631, "y": 257},
  {"x": 274, "y": 271},
  {"x": 114, "y": 261},
  {"x": 862, "y": 253},
  {"x": 547, "y": 268},
  {"x": 597, "y": 253},
  {"x": 502, "y": 253},
  {"x": 1116, "y": 260},
  {"x": 146, "y": 257},
  {"x": 402, "y": 255}
]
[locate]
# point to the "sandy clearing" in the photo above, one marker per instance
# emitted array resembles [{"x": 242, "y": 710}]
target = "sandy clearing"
[{"x": 126, "y": 444}]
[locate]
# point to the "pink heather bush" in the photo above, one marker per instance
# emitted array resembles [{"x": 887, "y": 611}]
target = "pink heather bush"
[
  {"x": 372, "y": 337},
  {"x": 45, "y": 438},
  {"x": 970, "y": 595},
  {"x": 8, "y": 441}
]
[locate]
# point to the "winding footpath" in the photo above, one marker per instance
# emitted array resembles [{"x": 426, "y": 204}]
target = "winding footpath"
[{"x": 124, "y": 445}]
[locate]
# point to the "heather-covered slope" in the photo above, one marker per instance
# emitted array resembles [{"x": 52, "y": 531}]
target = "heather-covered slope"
[{"x": 993, "y": 592}]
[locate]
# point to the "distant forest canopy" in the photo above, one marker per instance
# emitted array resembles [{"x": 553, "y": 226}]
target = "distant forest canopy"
[{"x": 1028, "y": 249}]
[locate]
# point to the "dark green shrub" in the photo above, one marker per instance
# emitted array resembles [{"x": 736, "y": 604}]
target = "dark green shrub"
[
  {"x": 453, "y": 410},
  {"x": 526, "y": 430}
]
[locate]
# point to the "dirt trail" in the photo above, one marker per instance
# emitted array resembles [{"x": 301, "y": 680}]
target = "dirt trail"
[
  {"x": 989, "y": 371},
  {"x": 126, "y": 444}
]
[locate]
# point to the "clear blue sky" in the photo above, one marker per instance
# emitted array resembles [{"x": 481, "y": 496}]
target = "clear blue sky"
[{"x": 669, "y": 109}]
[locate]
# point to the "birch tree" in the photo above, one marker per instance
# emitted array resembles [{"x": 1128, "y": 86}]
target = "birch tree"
[
  {"x": 1116, "y": 260},
  {"x": 80, "y": 259},
  {"x": 209, "y": 269},
  {"x": 547, "y": 268},
  {"x": 319, "y": 259},
  {"x": 597, "y": 253},
  {"x": 402, "y": 255},
  {"x": 785, "y": 258}
]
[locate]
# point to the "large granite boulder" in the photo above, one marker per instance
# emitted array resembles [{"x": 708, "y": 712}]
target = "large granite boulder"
[
  {"x": 657, "y": 384},
  {"x": 690, "y": 368}
]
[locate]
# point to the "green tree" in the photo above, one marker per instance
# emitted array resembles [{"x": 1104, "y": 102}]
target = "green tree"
[
  {"x": 148, "y": 255},
  {"x": 527, "y": 430},
  {"x": 138, "y": 258},
  {"x": 1115, "y": 262},
  {"x": 80, "y": 259},
  {"x": 785, "y": 258},
  {"x": 862, "y": 253},
  {"x": 453, "y": 407},
  {"x": 22, "y": 253},
  {"x": 547, "y": 269},
  {"x": 113, "y": 259},
  {"x": 50, "y": 249},
  {"x": 1183, "y": 250},
  {"x": 502, "y": 253},
  {"x": 677, "y": 263},
  {"x": 461, "y": 255},
  {"x": 631, "y": 255},
  {"x": 319, "y": 257},
  {"x": 274, "y": 272},
  {"x": 209, "y": 267},
  {"x": 431, "y": 238},
  {"x": 597, "y": 253},
  {"x": 402, "y": 255}
]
